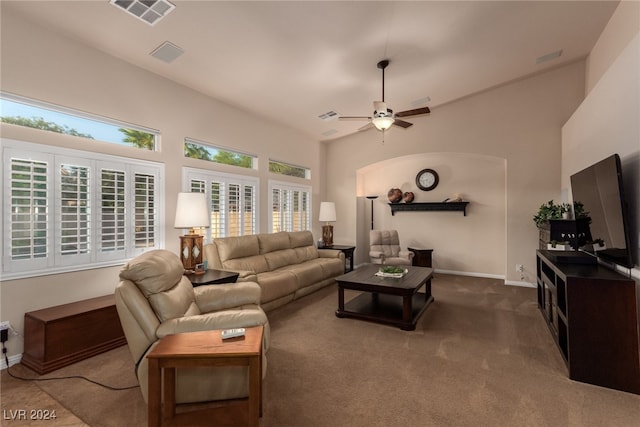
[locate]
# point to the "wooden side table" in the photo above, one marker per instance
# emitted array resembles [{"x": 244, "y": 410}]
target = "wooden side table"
[
  {"x": 204, "y": 349},
  {"x": 421, "y": 257},
  {"x": 348, "y": 254},
  {"x": 213, "y": 277}
]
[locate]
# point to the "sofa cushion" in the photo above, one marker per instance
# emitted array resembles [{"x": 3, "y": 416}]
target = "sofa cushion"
[
  {"x": 176, "y": 302},
  {"x": 273, "y": 242},
  {"x": 306, "y": 253},
  {"x": 153, "y": 271},
  {"x": 237, "y": 247},
  {"x": 332, "y": 267},
  {"x": 307, "y": 273},
  {"x": 301, "y": 238},
  {"x": 276, "y": 284},
  {"x": 281, "y": 258},
  {"x": 256, "y": 263}
]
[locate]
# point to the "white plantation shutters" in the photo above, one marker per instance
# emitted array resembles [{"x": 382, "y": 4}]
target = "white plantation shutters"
[
  {"x": 232, "y": 201},
  {"x": 67, "y": 210},
  {"x": 290, "y": 207}
]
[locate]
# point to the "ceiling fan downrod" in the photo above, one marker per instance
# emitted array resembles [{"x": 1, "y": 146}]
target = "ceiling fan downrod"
[{"x": 382, "y": 65}]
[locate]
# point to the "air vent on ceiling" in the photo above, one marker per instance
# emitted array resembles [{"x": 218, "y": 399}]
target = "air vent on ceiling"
[
  {"x": 149, "y": 11},
  {"x": 548, "y": 56},
  {"x": 329, "y": 115},
  {"x": 167, "y": 52},
  {"x": 329, "y": 132}
]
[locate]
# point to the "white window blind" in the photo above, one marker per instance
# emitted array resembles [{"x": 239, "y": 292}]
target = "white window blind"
[
  {"x": 232, "y": 201},
  {"x": 67, "y": 210},
  {"x": 290, "y": 207}
]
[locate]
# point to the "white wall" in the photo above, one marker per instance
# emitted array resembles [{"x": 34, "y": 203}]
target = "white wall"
[
  {"x": 479, "y": 179},
  {"x": 518, "y": 123},
  {"x": 608, "y": 121},
  {"x": 39, "y": 64}
]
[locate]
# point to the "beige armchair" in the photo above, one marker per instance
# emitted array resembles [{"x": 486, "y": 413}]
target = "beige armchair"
[
  {"x": 385, "y": 248},
  {"x": 154, "y": 299}
]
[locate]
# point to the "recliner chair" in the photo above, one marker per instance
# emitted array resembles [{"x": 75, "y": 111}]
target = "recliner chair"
[
  {"x": 155, "y": 299},
  {"x": 385, "y": 248}
]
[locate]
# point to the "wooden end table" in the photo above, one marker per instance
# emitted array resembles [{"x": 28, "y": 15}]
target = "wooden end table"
[
  {"x": 204, "y": 349},
  {"x": 213, "y": 277},
  {"x": 348, "y": 254}
]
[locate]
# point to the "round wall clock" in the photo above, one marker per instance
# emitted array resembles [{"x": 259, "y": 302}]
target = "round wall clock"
[{"x": 427, "y": 179}]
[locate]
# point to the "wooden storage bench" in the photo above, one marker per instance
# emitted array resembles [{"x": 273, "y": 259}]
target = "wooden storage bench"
[{"x": 62, "y": 335}]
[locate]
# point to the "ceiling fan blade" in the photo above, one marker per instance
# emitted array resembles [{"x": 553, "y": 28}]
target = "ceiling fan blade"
[
  {"x": 365, "y": 127},
  {"x": 354, "y": 118},
  {"x": 402, "y": 123},
  {"x": 415, "y": 112}
]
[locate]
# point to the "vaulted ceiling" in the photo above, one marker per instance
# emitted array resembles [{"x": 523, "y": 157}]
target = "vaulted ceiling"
[{"x": 293, "y": 61}]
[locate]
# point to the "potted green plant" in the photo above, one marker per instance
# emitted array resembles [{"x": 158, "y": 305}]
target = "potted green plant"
[{"x": 550, "y": 210}]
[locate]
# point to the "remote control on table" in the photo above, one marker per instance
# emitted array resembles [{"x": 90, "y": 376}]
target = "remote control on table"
[{"x": 232, "y": 333}]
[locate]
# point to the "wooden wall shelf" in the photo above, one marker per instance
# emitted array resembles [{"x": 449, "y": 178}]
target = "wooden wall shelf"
[{"x": 429, "y": 206}]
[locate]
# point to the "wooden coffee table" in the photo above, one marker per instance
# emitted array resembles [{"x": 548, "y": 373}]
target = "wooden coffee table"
[
  {"x": 206, "y": 348},
  {"x": 392, "y": 301}
]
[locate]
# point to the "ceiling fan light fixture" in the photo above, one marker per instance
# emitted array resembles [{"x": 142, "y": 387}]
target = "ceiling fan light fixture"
[{"x": 383, "y": 123}]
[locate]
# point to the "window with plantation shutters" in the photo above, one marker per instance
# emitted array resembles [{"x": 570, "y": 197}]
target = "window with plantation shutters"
[
  {"x": 290, "y": 207},
  {"x": 28, "y": 205},
  {"x": 232, "y": 201},
  {"x": 68, "y": 210}
]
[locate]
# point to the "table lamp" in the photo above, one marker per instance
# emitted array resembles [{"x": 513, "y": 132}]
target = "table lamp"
[
  {"x": 327, "y": 214},
  {"x": 191, "y": 212}
]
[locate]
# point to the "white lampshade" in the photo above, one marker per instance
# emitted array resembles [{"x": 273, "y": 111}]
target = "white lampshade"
[
  {"x": 327, "y": 211},
  {"x": 191, "y": 211},
  {"x": 383, "y": 123}
]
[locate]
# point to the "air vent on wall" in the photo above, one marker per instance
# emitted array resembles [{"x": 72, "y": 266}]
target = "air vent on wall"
[
  {"x": 167, "y": 52},
  {"x": 548, "y": 56},
  {"x": 149, "y": 11}
]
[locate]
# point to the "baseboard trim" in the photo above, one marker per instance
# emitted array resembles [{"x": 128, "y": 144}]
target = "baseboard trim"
[
  {"x": 520, "y": 284},
  {"x": 15, "y": 359},
  {"x": 467, "y": 273}
]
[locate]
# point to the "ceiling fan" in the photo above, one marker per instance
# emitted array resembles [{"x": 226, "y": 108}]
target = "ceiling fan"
[{"x": 383, "y": 118}]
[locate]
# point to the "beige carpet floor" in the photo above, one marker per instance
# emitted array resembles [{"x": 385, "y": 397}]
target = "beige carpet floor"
[{"x": 480, "y": 356}]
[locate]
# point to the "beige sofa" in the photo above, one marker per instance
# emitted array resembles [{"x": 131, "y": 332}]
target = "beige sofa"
[{"x": 286, "y": 265}]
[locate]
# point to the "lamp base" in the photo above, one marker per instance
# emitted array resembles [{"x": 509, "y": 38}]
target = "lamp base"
[
  {"x": 191, "y": 250},
  {"x": 327, "y": 235}
]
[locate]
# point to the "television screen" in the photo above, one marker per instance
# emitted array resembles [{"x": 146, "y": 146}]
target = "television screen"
[{"x": 598, "y": 189}]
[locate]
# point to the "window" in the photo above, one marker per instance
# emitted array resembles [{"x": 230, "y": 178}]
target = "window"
[
  {"x": 25, "y": 112},
  {"x": 200, "y": 150},
  {"x": 289, "y": 169},
  {"x": 68, "y": 210},
  {"x": 233, "y": 200},
  {"x": 290, "y": 207}
]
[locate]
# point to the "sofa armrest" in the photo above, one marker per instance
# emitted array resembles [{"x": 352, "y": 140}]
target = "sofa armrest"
[
  {"x": 210, "y": 298},
  {"x": 329, "y": 253}
]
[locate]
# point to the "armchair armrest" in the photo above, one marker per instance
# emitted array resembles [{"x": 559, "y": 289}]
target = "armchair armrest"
[
  {"x": 376, "y": 254},
  {"x": 406, "y": 254},
  {"x": 211, "y": 298},
  {"x": 226, "y": 319}
]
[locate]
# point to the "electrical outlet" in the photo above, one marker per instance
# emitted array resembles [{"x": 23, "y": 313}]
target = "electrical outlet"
[
  {"x": 5, "y": 325},
  {"x": 520, "y": 268}
]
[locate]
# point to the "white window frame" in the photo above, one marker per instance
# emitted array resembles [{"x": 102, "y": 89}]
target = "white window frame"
[
  {"x": 207, "y": 176},
  {"x": 55, "y": 262},
  {"x": 287, "y": 186}
]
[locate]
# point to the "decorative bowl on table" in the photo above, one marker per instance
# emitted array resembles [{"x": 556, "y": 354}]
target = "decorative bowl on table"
[{"x": 391, "y": 271}]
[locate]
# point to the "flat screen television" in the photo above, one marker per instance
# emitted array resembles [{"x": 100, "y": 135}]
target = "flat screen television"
[{"x": 606, "y": 232}]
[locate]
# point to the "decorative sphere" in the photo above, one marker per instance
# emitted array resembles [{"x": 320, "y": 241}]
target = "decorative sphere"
[
  {"x": 408, "y": 197},
  {"x": 394, "y": 195}
]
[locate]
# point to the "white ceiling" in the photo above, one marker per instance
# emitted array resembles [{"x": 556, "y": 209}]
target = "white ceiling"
[{"x": 293, "y": 61}]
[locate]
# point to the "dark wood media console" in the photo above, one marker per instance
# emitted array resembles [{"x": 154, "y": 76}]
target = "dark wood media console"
[
  {"x": 59, "y": 336},
  {"x": 592, "y": 313}
]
